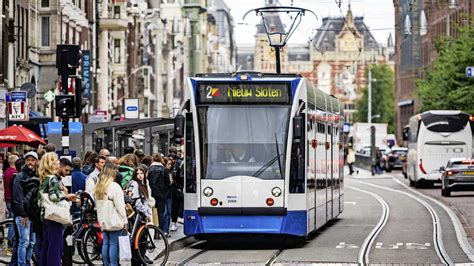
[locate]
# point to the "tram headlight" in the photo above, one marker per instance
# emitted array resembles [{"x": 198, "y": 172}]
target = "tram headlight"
[
  {"x": 208, "y": 191},
  {"x": 276, "y": 191}
]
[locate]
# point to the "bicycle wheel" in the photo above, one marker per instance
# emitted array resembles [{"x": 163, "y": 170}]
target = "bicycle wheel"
[
  {"x": 6, "y": 245},
  {"x": 77, "y": 232},
  {"x": 152, "y": 245},
  {"x": 92, "y": 245}
]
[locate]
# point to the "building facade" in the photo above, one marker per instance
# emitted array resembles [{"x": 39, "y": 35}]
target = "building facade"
[{"x": 420, "y": 25}]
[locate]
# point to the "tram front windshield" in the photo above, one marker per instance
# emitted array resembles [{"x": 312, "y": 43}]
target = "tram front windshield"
[{"x": 243, "y": 141}]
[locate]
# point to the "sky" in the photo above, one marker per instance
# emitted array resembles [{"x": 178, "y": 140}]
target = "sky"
[{"x": 379, "y": 16}]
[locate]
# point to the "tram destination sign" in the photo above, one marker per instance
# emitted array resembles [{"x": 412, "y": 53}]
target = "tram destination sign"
[{"x": 241, "y": 93}]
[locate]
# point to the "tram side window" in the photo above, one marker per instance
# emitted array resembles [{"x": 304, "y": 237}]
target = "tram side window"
[
  {"x": 297, "y": 166},
  {"x": 190, "y": 153}
]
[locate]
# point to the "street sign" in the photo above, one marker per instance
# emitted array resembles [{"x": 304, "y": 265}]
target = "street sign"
[
  {"x": 98, "y": 118},
  {"x": 131, "y": 109},
  {"x": 18, "y": 96},
  {"x": 49, "y": 96},
  {"x": 470, "y": 71}
]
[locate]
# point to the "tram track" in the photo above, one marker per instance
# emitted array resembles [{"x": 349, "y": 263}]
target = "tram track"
[
  {"x": 363, "y": 257},
  {"x": 437, "y": 232}
]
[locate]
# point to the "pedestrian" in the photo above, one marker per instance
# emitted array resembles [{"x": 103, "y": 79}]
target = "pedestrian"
[
  {"x": 147, "y": 160},
  {"x": 8, "y": 175},
  {"x": 107, "y": 190},
  {"x": 65, "y": 167},
  {"x": 159, "y": 184},
  {"x": 93, "y": 177},
  {"x": 140, "y": 192},
  {"x": 378, "y": 159},
  {"x": 169, "y": 196},
  {"x": 52, "y": 243},
  {"x": 104, "y": 152},
  {"x": 351, "y": 160},
  {"x": 127, "y": 165},
  {"x": 177, "y": 192},
  {"x": 50, "y": 147},
  {"x": 78, "y": 179},
  {"x": 128, "y": 150},
  {"x": 140, "y": 155},
  {"x": 25, "y": 238},
  {"x": 90, "y": 160}
]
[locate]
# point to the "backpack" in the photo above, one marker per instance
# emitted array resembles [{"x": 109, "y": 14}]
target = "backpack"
[
  {"x": 127, "y": 173},
  {"x": 31, "y": 188}
]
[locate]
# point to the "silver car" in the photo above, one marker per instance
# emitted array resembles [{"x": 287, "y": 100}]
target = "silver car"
[{"x": 458, "y": 175}]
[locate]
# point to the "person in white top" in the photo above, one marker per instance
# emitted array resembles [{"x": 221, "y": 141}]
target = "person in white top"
[
  {"x": 110, "y": 213},
  {"x": 93, "y": 177},
  {"x": 140, "y": 192}
]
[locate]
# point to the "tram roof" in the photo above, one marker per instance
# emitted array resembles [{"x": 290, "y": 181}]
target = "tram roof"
[{"x": 252, "y": 76}]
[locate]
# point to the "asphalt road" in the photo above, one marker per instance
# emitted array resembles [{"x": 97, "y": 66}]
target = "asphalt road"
[{"x": 383, "y": 222}]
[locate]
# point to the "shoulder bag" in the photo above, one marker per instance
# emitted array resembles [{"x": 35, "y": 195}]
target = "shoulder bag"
[{"x": 56, "y": 211}]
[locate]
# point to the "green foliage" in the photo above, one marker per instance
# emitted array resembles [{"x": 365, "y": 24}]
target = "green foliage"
[
  {"x": 446, "y": 86},
  {"x": 382, "y": 98}
]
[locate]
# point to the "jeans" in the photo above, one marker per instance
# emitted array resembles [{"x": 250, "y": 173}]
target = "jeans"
[
  {"x": 26, "y": 241},
  {"x": 110, "y": 247},
  {"x": 11, "y": 230},
  {"x": 167, "y": 215},
  {"x": 52, "y": 247}
]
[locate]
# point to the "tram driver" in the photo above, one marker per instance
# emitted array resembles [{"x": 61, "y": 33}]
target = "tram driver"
[{"x": 237, "y": 153}]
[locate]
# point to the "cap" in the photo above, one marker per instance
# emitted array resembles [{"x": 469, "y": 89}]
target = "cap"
[{"x": 32, "y": 154}]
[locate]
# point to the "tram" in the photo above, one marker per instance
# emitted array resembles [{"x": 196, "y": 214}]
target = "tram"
[{"x": 263, "y": 154}]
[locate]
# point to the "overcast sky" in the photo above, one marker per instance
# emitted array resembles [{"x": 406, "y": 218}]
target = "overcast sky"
[{"x": 378, "y": 15}]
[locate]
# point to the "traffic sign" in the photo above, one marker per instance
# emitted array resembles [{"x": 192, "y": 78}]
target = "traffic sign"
[
  {"x": 131, "y": 109},
  {"x": 470, "y": 71},
  {"x": 49, "y": 96}
]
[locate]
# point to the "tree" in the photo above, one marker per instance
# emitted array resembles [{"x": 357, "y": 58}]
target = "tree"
[
  {"x": 382, "y": 97},
  {"x": 446, "y": 86}
]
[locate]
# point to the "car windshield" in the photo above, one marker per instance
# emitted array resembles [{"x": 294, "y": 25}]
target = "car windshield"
[{"x": 243, "y": 140}]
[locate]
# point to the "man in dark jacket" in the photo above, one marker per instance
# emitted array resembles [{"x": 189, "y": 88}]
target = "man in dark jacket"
[
  {"x": 25, "y": 237},
  {"x": 160, "y": 188}
]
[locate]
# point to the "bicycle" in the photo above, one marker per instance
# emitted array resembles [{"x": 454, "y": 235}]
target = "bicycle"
[{"x": 148, "y": 241}]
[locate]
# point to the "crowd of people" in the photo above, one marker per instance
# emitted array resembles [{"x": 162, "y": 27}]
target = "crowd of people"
[{"x": 154, "y": 182}]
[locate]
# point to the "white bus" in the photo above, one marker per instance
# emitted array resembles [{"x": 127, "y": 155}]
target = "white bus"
[{"x": 434, "y": 137}]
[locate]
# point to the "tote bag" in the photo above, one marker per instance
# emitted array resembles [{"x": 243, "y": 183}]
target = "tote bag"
[
  {"x": 108, "y": 216},
  {"x": 125, "y": 250},
  {"x": 56, "y": 211}
]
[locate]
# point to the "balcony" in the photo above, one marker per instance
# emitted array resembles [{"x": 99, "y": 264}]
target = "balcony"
[{"x": 111, "y": 23}]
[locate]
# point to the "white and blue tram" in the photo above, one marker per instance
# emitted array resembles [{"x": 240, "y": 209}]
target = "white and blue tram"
[{"x": 263, "y": 154}]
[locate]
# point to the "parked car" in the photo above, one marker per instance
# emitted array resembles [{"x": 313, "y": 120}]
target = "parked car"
[
  {"x": 392, "y": 159},
  {"x": 458, "y": 175}
]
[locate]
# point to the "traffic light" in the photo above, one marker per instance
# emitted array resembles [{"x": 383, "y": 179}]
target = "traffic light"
[{"x": 65, "y": 106}]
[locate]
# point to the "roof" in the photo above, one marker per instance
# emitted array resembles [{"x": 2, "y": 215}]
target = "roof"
[
  {"x": 326, "y": 35},
  {"x": 298, "y": 53}
]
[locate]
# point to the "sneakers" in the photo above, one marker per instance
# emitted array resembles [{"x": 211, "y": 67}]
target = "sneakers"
[
  {"x": 173, "y": 227},
  {"x": 180, "y": 220}
]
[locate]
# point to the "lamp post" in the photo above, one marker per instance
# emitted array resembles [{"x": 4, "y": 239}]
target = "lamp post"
[{"x": 277, "y": 34}]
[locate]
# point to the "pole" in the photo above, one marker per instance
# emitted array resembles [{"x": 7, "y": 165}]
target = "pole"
[
  {"x": 67, "y": 255},
  {"x": 369, "y": 102},
  {"x": 277, "y": 57}
]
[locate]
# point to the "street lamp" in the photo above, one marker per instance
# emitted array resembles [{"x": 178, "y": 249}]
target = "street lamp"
[{"x": 275, "y": 30}]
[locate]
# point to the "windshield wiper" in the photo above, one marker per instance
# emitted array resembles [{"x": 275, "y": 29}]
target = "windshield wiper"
[{"x": 272, "y": 161}]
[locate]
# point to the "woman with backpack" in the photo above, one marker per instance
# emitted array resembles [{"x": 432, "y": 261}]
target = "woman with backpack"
[
  {"x": 110, "y": 213},
  {"x": 127, "y": 165},
  {"x": 52, "y": 244}
]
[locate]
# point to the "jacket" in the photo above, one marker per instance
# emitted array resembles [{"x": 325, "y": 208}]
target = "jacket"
[
  {"x": 18, "y": 198},
  {"x": 126, "y": 172},
  {"x": 351, "y": 156},
  {"x": 115, "y": 194},
  {"x": 159, "y": 182}
]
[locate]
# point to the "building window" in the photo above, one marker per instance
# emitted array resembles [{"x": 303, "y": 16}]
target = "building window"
[
  {"x": 44, "y": 3},
  {"x": 45, "y": 31},
  {"x": 117, "y": 51},
  {"x": 116, "y": 12}
]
